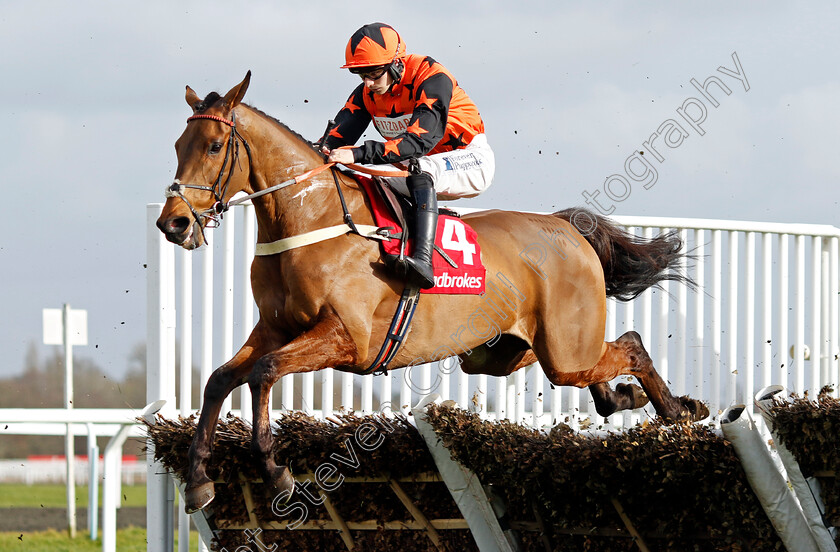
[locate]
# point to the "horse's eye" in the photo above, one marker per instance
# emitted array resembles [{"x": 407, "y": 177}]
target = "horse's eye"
[{"x": 215, "y": 148}]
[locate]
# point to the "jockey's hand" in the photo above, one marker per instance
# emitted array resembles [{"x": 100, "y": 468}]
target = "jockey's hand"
[{"x": 340, "y": 155}]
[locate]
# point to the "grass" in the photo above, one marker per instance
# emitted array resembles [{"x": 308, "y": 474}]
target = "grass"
[
  {"x": 55, "y": 496},
  {"x": 132, "y": 539},
  {"x": 128, "y": 540}
]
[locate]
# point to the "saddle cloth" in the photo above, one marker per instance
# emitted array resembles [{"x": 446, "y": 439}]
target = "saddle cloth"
[{"x": 454, "y": 237}]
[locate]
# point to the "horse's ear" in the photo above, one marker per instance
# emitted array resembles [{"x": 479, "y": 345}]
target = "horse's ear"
[
  {"x": 235, "y": 94},
  {"x": 192, "y": 98}
]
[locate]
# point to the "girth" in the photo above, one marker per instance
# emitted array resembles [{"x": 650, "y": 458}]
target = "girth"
[{"x": 397, "y": 331}]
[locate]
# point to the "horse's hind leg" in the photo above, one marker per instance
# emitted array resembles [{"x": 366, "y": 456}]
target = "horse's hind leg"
[{"x": 627, "y": 355}]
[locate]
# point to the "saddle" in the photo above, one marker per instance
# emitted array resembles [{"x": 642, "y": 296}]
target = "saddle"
[
  {"x": 402, "y": 209},
  {"x": 457, "y": 258}
]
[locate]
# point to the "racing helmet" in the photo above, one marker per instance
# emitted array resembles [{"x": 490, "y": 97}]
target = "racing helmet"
[{"x": 375, "y": 44}]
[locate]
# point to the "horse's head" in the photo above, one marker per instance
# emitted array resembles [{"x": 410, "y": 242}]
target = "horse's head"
[{"x": 209, "y": 169}]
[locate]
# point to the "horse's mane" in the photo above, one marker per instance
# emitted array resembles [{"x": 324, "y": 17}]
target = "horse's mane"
[
  {"x": 294, "y": 133},
  {"x": 214, "y": 97}
]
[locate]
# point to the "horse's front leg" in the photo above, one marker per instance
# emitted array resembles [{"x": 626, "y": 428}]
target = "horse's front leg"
[
  {"x": 327, "y": 344},
  {"x": 199, "y": 489}
]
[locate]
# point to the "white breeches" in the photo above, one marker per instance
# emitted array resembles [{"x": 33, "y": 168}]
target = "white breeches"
[{"x": 464, "y": 172}]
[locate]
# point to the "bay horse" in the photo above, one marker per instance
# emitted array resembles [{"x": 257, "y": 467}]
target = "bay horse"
[{"x": 330, "y": 304}]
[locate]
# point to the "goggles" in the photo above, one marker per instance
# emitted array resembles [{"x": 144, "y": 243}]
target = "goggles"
[{"x": 372, "y": 73}]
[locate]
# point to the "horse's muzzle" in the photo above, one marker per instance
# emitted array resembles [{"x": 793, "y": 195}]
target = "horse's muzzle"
[{"x": 181, "y": 231}]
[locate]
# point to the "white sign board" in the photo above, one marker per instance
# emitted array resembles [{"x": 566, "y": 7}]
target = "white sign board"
[{"x": 54, "y": 327}]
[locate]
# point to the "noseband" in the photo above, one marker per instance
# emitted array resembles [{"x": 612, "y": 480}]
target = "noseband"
[{"x": 219, "y": 188}]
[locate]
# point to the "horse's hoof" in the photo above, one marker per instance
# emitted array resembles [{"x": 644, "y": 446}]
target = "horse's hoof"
[
  {"x": 637, "y": 394},
  {"x": 282, "y": 484},
  {"x": 699, "y": 411},
  {"x": 692, "y": 410},
  {"x": 196, "y": 498}
]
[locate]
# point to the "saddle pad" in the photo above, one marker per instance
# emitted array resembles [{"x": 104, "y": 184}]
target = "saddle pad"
[{"x": 455, "y": 237}]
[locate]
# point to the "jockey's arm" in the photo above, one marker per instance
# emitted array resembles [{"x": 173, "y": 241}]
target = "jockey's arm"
[
  {"x": 350, "y": 122},
  {"x": 425, "y": 129}
]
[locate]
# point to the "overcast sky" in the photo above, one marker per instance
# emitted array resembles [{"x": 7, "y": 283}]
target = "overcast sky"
[{"x": 93, "y": 101}]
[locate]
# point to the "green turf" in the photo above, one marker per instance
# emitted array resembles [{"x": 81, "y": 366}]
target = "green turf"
[
  {"x": 55, "y": 496},
  {"x": 132, "y": 539}
]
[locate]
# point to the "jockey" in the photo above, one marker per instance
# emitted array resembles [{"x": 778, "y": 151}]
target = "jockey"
[{"x": 422, "y": 113}]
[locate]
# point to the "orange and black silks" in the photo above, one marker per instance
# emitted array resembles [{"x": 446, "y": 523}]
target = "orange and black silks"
[{"x": 426, "y": 112}]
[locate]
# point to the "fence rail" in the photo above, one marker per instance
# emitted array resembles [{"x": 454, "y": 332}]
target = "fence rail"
[
  {"x": 765, "y": 311},
  {"x": 31, "y": 471}
]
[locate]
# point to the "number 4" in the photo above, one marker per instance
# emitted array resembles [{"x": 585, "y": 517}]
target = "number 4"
[{"x": 454, "y": 238}]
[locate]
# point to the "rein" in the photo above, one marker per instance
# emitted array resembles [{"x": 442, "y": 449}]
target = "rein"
[{"x": 219, "y": 190}]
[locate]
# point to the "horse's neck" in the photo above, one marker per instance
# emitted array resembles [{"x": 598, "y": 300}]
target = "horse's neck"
[{"x": 309, "y": 205}]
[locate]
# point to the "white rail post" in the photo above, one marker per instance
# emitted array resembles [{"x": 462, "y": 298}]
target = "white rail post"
[
  {"x": 834, "y": 313},
  {"x": 206, "y": 348},
  {"x": 247, "y": 296},
  {"x": 662, "y": 324},
  {"x": 817, "y": 350},
  {"x": 646, "y": 330},
  {"x": 629, "y": 324},
  {"x": 784, "y": 319},
  {"x": 732, "y": 330},
  {"x": 823, "y": 306},
  {"x": 160, "y": 374},
  {"x": 610, "y": 335},
  {"x": 767, "y": 323},
  {"x": 185, "y": 391},
  {"x": 681, "y": 341},
  {"x": 228, "y": 271},
  {"x": 93, "y": 482},
  {"x": 749, "y": 336},
  {"x": 207, "y": 304},
  {"x": 799, "y": 317},
  {"x": 69, "y": 445},
  {"x": 185, "y": 333},
  {"x": 717, "y": 290},
  {"x": 699, "y": 311}
]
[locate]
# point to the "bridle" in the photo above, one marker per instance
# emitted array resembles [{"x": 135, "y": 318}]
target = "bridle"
[{"x": 219, "y": 188}]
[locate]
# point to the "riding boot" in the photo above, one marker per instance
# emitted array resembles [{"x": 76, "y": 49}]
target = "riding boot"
[{"x": 419, "y": 264}]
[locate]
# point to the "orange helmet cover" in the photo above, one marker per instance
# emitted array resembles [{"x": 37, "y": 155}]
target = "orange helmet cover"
[{"x": 372, "y": 45}]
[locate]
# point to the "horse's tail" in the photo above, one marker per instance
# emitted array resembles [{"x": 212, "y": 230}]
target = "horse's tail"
[{"x": 631, "y": 264}]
